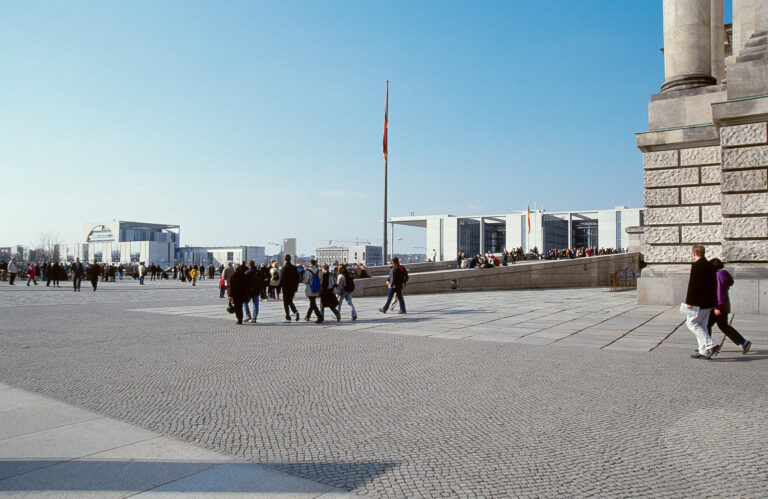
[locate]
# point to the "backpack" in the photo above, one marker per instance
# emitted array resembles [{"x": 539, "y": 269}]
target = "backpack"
[
  {"x": 404, "y": 274},
  {"x": 349, "y": 283},
  {"x": 315, "y": 285}
]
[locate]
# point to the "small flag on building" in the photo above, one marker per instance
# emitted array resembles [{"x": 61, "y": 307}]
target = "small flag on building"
[{"x": 529, "y": 217}]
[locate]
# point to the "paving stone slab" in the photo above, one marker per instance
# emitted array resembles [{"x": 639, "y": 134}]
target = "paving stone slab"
[{"x": 46, "y": 415}]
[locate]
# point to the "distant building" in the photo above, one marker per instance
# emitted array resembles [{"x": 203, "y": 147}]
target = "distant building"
[
  {"x": 289, "y": 247},
  {"x": 448, "y": 235},
  {"x": 365, "y": 254},
  {"x": 125, "y": 242},
  {"x": 220, "y": 255}
]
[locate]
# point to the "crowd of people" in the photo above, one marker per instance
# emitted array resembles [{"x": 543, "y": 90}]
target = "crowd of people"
[
  {"x": 490, "y": 259},
  {"x": 326, "y": 287},
  {"x": 580, "y": 252}
]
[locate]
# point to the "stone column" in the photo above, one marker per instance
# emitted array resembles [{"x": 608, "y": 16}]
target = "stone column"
[
  {"x": 718, "y": 40},
  {"x": 687, "y": 44}
]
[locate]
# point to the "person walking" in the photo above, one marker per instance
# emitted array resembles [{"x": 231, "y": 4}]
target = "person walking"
[
  {"x": 328, "y": 294},
  {"x": 238, "y": 291},
  {"x": 312, "y": 287},
  {"x": 719, "y": 314},
  {"x": 54, "y": 274},
  {"x": 226, "y": 274},
  {"x": 274, "y": 281},
  {"x": 346, "y": 285},
  {"x": 397, "y": 278},
  {"x": 289, "y": 284},
  {"x": 700, "y": 299},
  {"x": 13, "y": 269},
  {"x": 193, "y": 274},
  {"x": 94, "y": 271},
  {"x": 256, "y": 280},
  {"x": 31, "y": 275},
  {"x": 142, "y": 273},
  {"x": 78, "y": 271}
]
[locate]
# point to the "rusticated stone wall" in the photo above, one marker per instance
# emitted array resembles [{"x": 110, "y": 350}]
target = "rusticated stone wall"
[
  {"x": 683, "y": 203},
  {"x": 745, "y": 192}
]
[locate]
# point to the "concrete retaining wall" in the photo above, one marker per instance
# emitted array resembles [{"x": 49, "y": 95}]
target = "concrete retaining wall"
[
  {"x": 581, "y": 272},
  {"x": 380, "y": 270}
]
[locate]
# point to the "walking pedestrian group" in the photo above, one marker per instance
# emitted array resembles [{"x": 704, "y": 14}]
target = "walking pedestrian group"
[
  {"x": 707, "y": 303},
  {"x": 327, "y": 287}
]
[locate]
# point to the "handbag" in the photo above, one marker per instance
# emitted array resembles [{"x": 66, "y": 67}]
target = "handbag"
[{"x": 230, "y": 307}]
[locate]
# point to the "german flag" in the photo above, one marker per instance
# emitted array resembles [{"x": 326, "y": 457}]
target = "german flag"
[
  {"x": 529, "y": 217},
  {"x": 386, "y": 123}
]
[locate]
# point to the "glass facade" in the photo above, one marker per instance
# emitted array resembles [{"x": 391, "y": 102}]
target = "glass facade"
[
  {"x": 469, "y": 236},
  {"x": 373, "y": 256},
  {"x": 495, "y": 237},
  {"x": 584, "y": 233},
  {"x": 99, "y": 234},
  {"x": 555, "y": 232}
]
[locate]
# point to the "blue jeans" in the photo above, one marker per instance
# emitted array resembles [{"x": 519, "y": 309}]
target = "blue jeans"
[
  {"x": 348, "y": 297},
  {"x": 141, "y": 279},
  {"x": 247, "y": 310},
  {"x": 399, "y": 292}
]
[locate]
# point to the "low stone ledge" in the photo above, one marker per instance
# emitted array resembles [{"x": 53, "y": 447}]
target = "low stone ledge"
[{"x": 579, "y": 272}]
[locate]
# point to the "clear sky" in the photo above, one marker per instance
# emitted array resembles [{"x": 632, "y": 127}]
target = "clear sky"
[{"x": 246, "y": 122}]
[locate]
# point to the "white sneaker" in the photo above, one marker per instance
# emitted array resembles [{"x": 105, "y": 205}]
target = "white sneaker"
[
  {"x": 247, "y": 319},
  {"x": 286, "y": 321}
]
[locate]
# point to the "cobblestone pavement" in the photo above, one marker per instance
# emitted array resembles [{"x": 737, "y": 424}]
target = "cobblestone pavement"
[{"x": 525, "y": 393}]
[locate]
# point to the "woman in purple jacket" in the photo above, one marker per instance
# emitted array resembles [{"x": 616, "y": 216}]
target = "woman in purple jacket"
[{"x": 719, "y": 314}]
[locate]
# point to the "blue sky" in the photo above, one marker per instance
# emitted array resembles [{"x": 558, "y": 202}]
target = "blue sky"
[{"x": 246, "y": 122}]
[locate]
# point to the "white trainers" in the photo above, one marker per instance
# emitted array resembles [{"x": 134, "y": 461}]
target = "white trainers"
[{"x": 286, "y": 321}]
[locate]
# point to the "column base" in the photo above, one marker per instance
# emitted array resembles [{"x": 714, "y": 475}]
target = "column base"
[{"x": 692, "y": 80}]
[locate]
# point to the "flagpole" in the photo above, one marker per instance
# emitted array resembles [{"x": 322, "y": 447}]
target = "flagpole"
[{"x": 386, "y": 126}]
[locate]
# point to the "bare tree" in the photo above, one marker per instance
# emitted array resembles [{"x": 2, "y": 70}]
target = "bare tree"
[{"x": 47, "y": 248}]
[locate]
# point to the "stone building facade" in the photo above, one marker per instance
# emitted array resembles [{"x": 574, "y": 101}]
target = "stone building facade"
[{"x": 705, "y": 156}]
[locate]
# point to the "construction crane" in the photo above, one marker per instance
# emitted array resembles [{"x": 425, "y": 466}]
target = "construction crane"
[{"x": 356, "y": 241}]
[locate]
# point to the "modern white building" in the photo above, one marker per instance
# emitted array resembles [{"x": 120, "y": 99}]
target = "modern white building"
[
  {"x": 220, "y": 255},
  {"x": 119, "y": 241},
  {"x": 447, "y": 235},
  {"x": 361, "y": 253}
]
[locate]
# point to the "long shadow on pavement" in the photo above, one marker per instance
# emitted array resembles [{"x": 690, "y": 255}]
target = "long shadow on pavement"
[{"x": 51, "y": 475}]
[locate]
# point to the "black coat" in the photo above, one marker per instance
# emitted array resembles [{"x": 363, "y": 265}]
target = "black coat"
[
  {"x": 78, "y": 269},
  {"x": 289, "y": 278},
  {"x": 702, "y": 285},
  {"x": 327, "y": 295},
  {"x": 238, "y": 287}
]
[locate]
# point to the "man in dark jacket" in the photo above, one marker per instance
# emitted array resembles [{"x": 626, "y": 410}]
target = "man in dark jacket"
[
  {"x": 78, "y": 271},
  {"x": 700, "y": 299},
  {"x": 289, "y": 283},
  {"x": 397, "y": 277},
  {"x": 238, "y": 291}
]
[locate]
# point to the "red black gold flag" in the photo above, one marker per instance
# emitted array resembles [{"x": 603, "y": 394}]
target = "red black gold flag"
[{"x": 386, "y": 123}]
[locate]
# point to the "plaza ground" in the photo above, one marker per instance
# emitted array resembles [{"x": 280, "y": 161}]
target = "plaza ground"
[{"x": 506, "y": 393}]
